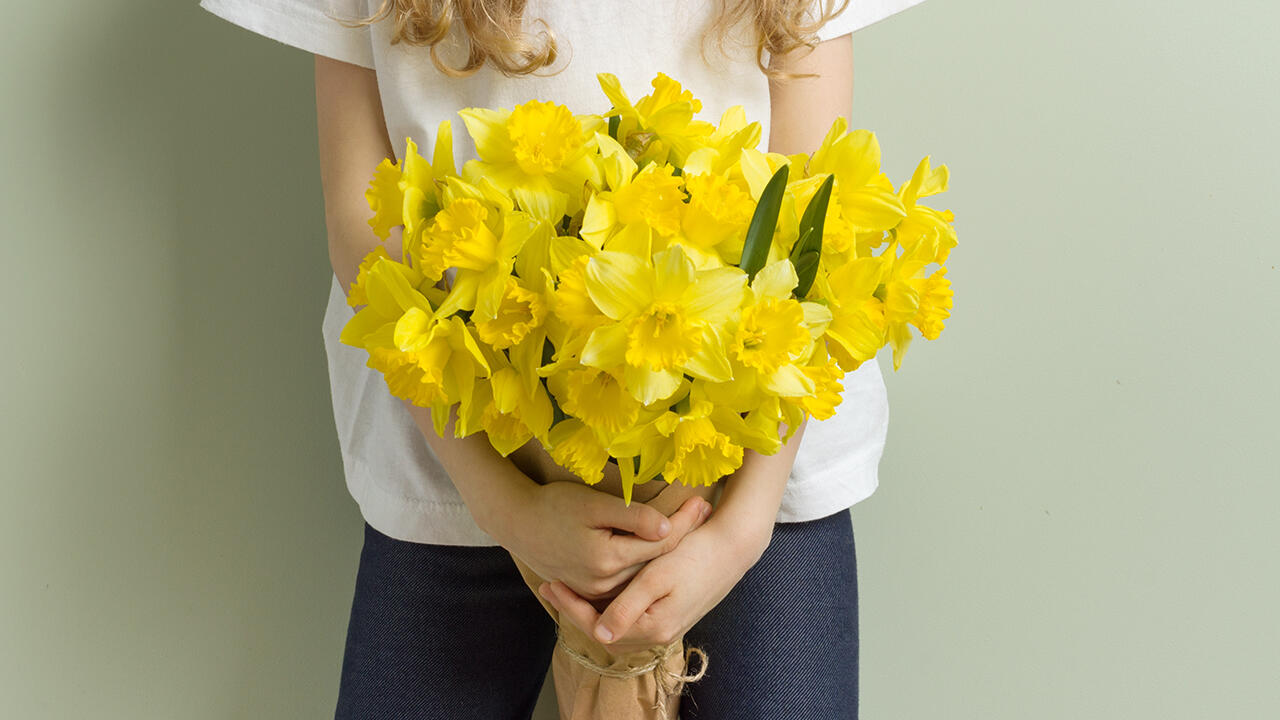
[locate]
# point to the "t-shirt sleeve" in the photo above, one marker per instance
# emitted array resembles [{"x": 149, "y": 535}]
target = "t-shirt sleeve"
[
  {"x": 304, "y": 24},
  {"x": 859, "y": 14}
]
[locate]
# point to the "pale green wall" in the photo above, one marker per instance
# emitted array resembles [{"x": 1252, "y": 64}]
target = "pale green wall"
[{"x": 1075, "y": 516}]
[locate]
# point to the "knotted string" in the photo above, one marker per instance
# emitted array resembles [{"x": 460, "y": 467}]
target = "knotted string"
[{"x": 665, "y": 681}]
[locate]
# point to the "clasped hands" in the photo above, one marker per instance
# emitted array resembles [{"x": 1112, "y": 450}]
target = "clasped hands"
[{"x": 632, "y": 577}]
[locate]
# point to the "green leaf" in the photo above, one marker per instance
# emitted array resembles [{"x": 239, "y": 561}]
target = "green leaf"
[
  {"x": 755, "y": 249},
  {"x": 807, "y": 251},
  {"x": 613, "y": 126}
]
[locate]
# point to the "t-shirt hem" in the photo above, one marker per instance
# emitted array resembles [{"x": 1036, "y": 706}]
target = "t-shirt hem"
[
  {"x": 409, "y": 519},
  {"x": 450, "y": 523},
  {"x": 823, "y": 494}
]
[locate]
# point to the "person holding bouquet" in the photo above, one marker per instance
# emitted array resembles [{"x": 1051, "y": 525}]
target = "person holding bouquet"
[{"x": 760, "y": 573}]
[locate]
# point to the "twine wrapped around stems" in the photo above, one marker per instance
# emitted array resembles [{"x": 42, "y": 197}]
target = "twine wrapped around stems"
[{"x": 666, "y": 682}]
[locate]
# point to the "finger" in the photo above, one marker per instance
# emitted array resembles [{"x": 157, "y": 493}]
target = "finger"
[
  {"x": 635, "y": 551},
  {"x": 640, "y": 519},
  {"x": 620, "y": 578},
  {"x": 630, "y": 606},
  {"x": 648, "y": 631},
  {"x": 572, "y": 606}
]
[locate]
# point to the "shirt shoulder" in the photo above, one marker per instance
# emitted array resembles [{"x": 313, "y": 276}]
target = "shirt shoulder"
[
  {"x": 859, "y": 14},
  {"x": 311, "y": 25}
]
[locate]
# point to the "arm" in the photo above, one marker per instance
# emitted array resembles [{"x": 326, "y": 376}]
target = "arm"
[
  {"x": 669, "y": 595},
  {"x": 561, "y": 530},
  {"x": 801, "y": 113}
]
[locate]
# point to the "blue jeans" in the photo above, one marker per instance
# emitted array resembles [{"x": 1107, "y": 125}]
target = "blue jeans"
[{"x": 446, "y": 632}]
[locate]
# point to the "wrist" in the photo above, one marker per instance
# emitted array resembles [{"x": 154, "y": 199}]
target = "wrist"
[
  {"x": 745, "y": 537},
  {"x": 500, "y": 513}
]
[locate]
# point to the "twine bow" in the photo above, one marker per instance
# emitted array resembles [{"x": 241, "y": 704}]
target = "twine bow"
[{"x": 665, "y": 681}]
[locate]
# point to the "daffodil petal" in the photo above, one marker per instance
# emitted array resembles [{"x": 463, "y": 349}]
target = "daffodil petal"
[
  {"x": 868, "y": 208},
  {"x": 787, "y": 381},
  {"x": 816, "y": 318},
  {"x": 598, "y": 221},
  {"x": 672, "y": 273},
  {"x": 506, "y": 389},
  {"x": 634, "y": 239},
  {"x": 606, "y": 347},
  {"x": 488, "y": 130},
  {"x": 649, "y": 386},
  {"x": 711, "y": 361},
  {"x": 619, "y": 284},
  {"x": 755, "y": 168},
  {"x": 858, "y": 278},
  {"x": 715, "y": 295},
  {"x": 364, "y": 323},
  {"x": 442, "y": 156},
  {"x": 776, "y": 280},
  {"x": 462, "y": 296},
  {"x": 390, "y": 291},
  {"x": 413, "y": 330},
  {"x": 653, "y": 456}
]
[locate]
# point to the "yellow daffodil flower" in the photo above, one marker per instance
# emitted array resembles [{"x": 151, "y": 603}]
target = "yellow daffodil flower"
[
  {"x": 463, "y": 237},
  {"x": 537, "y": 147},
  {"x": 660, "y": 126},
  {"x": 772, "y": 338},
  {"x": 571, "y": 301},
  {"x": 697, "y": 447},
  {"x": 866, "y": 196},
  {"x": 519, "y": 312},
  {"x": 827, "y": 388},
  {"x": 905, "y": 299},
  {"x": 666, "y": 319},
  {"x": 425, "y": 358},
  {"x": 577, "y": 447},
  {"x": 715, "y": 222},
  {"x": 857, "y": 329},
  {"x": 598, "y": 398},
  {"x": 406, "y": 192},
  {"x": 508, "y": 412},
  {"x": 924, "y": 224},
  {"x": 935, "y": 295}
]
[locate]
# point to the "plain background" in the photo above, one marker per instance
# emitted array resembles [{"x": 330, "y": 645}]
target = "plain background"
[{"x": 1076, "y": 507}]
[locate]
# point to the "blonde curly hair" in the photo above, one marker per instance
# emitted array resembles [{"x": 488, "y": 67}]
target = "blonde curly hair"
[{"x": 495, "y": 33}]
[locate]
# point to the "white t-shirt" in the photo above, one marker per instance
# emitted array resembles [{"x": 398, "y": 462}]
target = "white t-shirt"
[{"x": 391, "y": 472}]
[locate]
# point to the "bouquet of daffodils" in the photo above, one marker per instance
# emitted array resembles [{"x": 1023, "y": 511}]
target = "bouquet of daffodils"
[{"x": 642, "y": 287}]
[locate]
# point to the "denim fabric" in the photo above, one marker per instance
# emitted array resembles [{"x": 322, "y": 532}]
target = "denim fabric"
[
  {"x": 445, "y": 632},
  {"x": 783, "y": 644}
]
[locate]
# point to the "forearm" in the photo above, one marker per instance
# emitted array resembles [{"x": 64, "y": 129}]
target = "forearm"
[
  {"x": 352, "y": 139},
  {"x": 492, "y": 486},
  {"x": 748, "y": 505}
]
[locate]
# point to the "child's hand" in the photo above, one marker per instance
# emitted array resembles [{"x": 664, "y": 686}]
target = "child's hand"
[
  {"x": 566, "y": 531},
  {"x": 669, "y": 595}
]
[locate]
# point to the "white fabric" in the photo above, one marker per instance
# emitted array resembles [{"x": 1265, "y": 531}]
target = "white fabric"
[{"x": 401, "y": 488}]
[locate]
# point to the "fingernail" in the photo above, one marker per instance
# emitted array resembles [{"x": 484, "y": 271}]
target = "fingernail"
[
  {"x": 706, "y": 510},
  {"x": 664, "y": 527},
  {"x": 603, "y": 634},
  {"x": 544, "y": 591}
]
